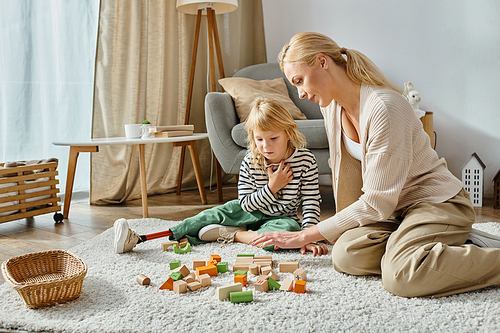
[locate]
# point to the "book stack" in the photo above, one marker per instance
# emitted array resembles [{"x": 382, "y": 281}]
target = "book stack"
[{"x": 171, "y": 131}]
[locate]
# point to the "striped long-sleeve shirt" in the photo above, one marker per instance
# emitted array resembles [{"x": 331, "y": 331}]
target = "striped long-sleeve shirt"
[{"x": 302, "y": 190}]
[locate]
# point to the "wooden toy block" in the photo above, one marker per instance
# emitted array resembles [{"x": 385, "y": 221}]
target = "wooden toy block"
[
  {"x": 245, "y": 255},
  {"x": 242, "y": 278},
  {"x": 300, "y": 286},
  {"x": 273, "y": 276},
  {"x": 209, "y": 269},
  {"x": 241, "y": 296},
  {"x": 224, "y": 292},
  {"x": 263, "y": 261},
  {"x": 266, "y": 270},
  {"x": 287, "y": 285},
  {"x": 273, "y": 285},
  {"x": 166, "y": 245},
  {"x": 205, "y": 280},
  {"x": 183, "y": 241},
  {"x": 288, "y": 266},
  {"x": 198, "y": 263},
  {"x": 300, "y": 274},
  {"x": 212, "y": 262},
  {"x": 195, "y": 285},
  {"x": 180, "y": 287},
  {"x": 182, "y": 248},
  {"x": 143, "y": 280},
  {"x": 183, "y": 270},
  {"x": 222, "y": 267},
  {"x": 188, "y": 278},
  {"x": 215, "y": 257},
  {"x": 239, "y": 267},
  {"x": 253, "y": 269},
  {"x": 262, "y": 278},
  {"x": 174, "y": 264},
  {"x": 169, "y": 284},
  {"x": 262, "y": 285},
  {"x": 176, "y": 276},
  {"x": 238, "y": 272}
]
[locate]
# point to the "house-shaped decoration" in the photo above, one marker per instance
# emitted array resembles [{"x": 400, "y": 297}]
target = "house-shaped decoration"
[
  {"x": 496, "y": 191},
  {"x": 473, "y": 179}
]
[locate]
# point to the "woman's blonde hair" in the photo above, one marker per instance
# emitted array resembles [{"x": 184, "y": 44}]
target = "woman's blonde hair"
[
  {"x": 305, "y": 47},
  {"x": 269, "y": 115}
]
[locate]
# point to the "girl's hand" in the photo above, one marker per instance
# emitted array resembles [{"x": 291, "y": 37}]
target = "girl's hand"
[
  {"x": 319, "y": 250},
  {"x": 280, "y": 177}
]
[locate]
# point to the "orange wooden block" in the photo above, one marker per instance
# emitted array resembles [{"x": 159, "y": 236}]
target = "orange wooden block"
[
  {"x": 300, "y": 286},
  {"x": 212, "y": 262},
  {"x": 169, "y": 284},
  {"x": 209, "y": 269},
  {"x": 241, "y": 278},
  {"x": 215, "y": 257}
]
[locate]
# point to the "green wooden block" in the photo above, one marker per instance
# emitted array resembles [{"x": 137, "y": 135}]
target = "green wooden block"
[
  {"x": 273, "y": 285},
  {"x": 176, "y": 276},
  {"x": 246, "y": 255},
  {"x": 185, "y": 249},
  {"x": 222, "y": 267},
  {"x": 240, "y": 272},
  {"x": 174, "y": 264},
  {"x": 241, "y": 296}
]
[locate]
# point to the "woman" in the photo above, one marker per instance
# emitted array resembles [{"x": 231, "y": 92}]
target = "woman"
[{"x": 400, "y": 211}]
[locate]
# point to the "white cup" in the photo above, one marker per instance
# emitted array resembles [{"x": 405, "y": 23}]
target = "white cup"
[
  {"x": 145, "y": 134},
  {"x": 133, "y": 131}
]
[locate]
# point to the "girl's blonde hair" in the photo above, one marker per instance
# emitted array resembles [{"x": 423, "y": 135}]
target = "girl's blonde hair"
[
  {"x": 305, "y": 46},
  {"x": 269, "y": 115}
]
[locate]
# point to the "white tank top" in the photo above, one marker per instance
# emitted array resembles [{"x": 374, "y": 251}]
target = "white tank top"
[{"x": 352, "y": 147}]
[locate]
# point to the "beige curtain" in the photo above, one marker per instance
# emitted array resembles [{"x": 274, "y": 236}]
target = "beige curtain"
[{"x": 143, "y": 64}]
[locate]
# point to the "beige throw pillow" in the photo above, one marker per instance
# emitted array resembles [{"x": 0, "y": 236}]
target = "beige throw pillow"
[{"x": 244, "y": 91}]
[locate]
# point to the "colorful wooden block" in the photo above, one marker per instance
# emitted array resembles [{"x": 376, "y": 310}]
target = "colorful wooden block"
[
  {"x": 266, "y": 270},
  {"x": 300, "y": 286},
  {"x": 253, "y": 269},
  {"x": 198, "y": 263},
  {"x": 242, "y": 278},
  {"x": 183, "y": 270},
  {"x": 188, "y": 278},
  {"x": 261, "y": 285},
  {"x": 143, "y": 280},
  {"x": 176, "y": 276},
  {"x": 210, "y": 270},
  {"x": 273, "y": 285},
  {"x": 224, "y": 292},
  {"x": 273, "y": 276},
  {"x": 195, "y": 285},
  {"x": 215, "y": 257},
  {"x": 166, "y": 245},
  {"x": 288, "y": 266},
  {"x": 205, "y": 280},
  {"x": 262, "y": 277},
  {"x": 212, "y": 262},
  {"x": 174, "y": 264},
  {"x": 222, "y": 267},
  {"x": 239, "y": 272},
  {"x": 169, "y": 284},
  {"x": 300, "y": 274},
  {"x": 180, "y": 287},
  {"x": 182, "y": 248},
  {"x": 287, "y": 285},
  {"x": 241, "y": 296}
]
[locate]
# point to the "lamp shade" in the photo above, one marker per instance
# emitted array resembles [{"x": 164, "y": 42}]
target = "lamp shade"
[{"x": 220, "y": 6}]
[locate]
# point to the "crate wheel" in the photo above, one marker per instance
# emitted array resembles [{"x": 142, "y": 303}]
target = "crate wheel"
[{"x": 58, "y": 217}]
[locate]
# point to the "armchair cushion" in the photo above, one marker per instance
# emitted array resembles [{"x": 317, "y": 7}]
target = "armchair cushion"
[{"x": 244, "y": 91}]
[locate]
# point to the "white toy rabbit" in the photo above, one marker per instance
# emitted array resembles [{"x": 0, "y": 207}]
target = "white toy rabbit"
[{"x": 412, "y": 96}]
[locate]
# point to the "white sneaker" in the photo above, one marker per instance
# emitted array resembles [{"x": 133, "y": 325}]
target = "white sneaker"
[
  {"x": 125, "y": 238},
  {"x": 483, "y": 239},
  {"x": 220, "y": 233}
]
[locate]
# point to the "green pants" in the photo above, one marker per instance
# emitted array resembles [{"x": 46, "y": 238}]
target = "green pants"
[{"x": 231, "y": 214}]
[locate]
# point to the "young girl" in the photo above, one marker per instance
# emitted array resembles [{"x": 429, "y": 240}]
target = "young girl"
[{"x": 277, "y": 177}]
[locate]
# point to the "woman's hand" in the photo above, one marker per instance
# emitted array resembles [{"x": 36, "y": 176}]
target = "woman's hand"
[{"x": 316, "y": 249}]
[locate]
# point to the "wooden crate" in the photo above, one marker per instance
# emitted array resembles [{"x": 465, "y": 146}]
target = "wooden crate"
[{"x": 27, "y": 191}]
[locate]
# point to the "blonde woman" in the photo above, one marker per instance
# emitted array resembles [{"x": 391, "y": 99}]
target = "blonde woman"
[
  {"x": 400, "y": 212},
  {"x": 277, "y": 177}
]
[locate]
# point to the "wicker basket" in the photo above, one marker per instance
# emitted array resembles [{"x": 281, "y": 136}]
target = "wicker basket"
[{"x": 45, "y": 278}]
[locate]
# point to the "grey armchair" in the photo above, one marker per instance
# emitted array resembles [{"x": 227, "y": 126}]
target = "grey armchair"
[{"x": 228, "y": 137}]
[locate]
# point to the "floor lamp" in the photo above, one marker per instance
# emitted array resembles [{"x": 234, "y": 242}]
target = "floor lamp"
[{"x": 208, "y": 9}]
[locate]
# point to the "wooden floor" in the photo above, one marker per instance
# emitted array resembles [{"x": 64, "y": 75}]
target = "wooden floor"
[{"x": 86, "y": 221}]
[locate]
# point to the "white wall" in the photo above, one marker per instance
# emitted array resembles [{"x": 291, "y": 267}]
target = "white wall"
[{"x": 448, "y": 49}]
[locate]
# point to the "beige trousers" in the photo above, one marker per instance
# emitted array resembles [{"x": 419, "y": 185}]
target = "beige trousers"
[{"x": 421, "y": 251}]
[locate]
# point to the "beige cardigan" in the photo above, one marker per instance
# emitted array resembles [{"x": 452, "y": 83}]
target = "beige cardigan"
[{"x": 398, "y": 166}]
